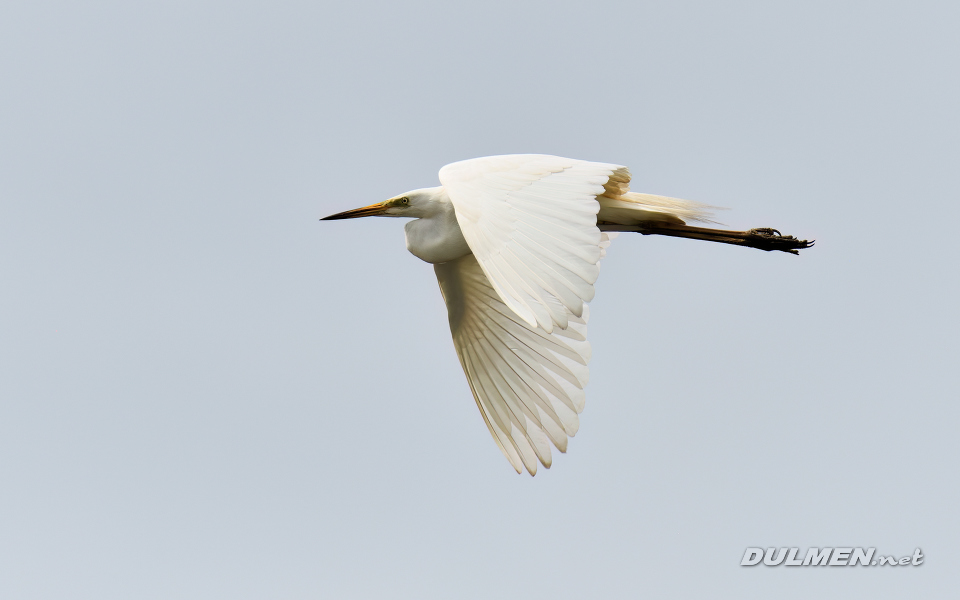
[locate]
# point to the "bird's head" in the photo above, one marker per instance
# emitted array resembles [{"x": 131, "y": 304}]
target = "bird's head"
[{"x": 414, "y": 204}]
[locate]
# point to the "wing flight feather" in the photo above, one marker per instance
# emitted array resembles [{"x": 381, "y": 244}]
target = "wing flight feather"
[{"x": 527, "y": 382}]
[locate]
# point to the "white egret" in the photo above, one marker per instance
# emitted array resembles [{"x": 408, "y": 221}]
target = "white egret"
[{"x": 515, "y": 242}]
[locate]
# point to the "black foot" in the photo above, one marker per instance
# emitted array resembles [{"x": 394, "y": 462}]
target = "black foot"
[{"x": 766, "y": 238}]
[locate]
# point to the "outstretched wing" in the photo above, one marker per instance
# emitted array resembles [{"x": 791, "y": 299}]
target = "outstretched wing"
[
  {"x": 527, "y": 383},
  {"x": 531, "y": 221}
]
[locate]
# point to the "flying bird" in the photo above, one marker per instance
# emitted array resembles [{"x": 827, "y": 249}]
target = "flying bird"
[{"x": 515, "y": 242}]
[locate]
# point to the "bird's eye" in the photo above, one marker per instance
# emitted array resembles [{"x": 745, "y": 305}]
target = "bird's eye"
[{"x": 405, "y": 201}]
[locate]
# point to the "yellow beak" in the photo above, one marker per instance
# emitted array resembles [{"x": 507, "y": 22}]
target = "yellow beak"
[{"x": 367, "y": 211}]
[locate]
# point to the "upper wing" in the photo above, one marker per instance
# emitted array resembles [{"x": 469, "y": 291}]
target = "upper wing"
[
  {"x": 531, "y": 221},
  {"x": 527, "y": 383}
]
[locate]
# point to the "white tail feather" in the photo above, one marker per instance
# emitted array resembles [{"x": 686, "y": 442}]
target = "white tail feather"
[{"x": 631, "y": 208}]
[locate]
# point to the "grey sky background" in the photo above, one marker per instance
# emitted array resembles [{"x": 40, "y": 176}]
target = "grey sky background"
[{"x": 207, "y": 393}]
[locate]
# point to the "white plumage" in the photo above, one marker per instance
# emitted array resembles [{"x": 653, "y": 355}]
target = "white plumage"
[
  {"x": 528, "y": 383},
  {"x": 516, "y": 243},
  {"x": 531, "y": 221}
]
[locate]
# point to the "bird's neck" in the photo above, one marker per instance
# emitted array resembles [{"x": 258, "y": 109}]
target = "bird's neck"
[{"x": 436, "y": 237}]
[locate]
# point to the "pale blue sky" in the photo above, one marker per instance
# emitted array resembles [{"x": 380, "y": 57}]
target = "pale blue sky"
[{"x": 207, "y": 393}]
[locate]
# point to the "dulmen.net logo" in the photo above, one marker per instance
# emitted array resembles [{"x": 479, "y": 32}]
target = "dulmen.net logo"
[{"x": 820, "y": 557}]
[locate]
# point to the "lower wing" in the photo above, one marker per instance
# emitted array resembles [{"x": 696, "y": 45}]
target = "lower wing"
[{"x": 527, "y": 383}]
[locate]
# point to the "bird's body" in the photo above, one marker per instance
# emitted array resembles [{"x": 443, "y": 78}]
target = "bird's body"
[{"x": 516, "y": 241}]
